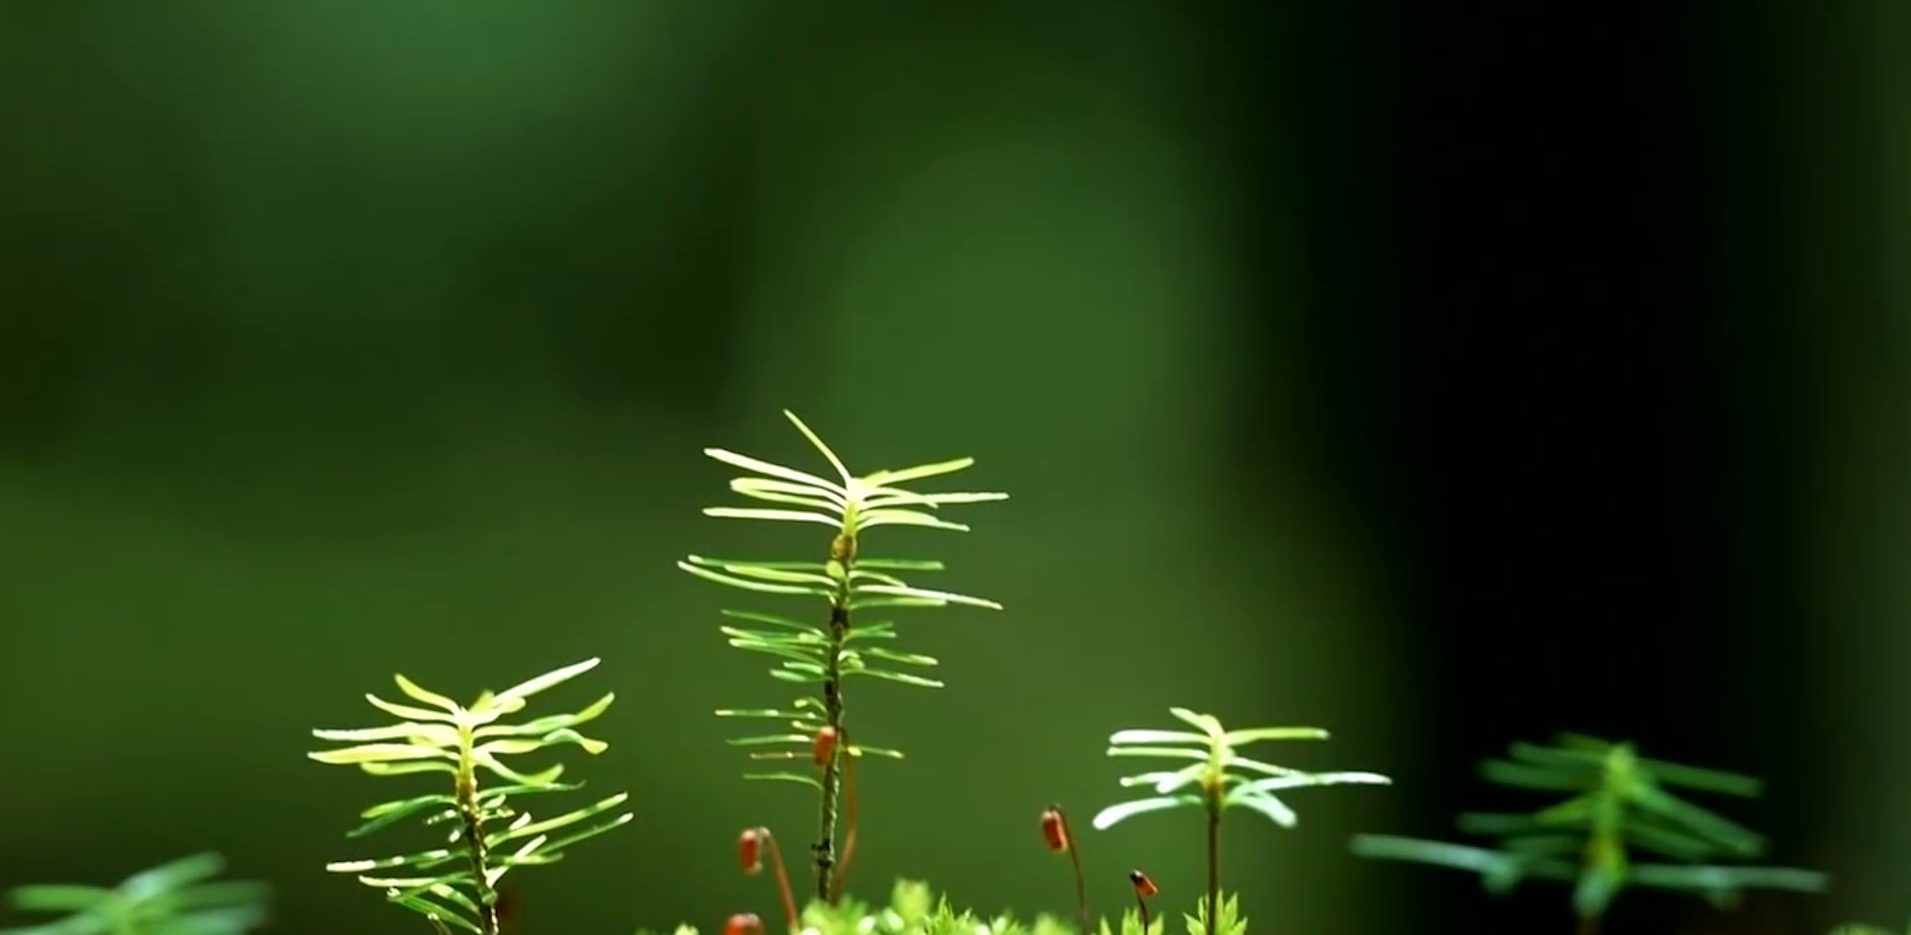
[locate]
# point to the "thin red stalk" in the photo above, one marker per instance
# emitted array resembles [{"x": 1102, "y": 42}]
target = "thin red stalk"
[
  {"x": 1075, "y": 858},
  {"x": 782, "y": 878}
]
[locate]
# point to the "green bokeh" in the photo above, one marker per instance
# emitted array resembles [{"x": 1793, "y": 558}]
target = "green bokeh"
[{"x": 399, "y": 355}]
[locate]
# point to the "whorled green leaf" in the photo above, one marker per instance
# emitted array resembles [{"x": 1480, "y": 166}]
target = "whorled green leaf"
[
  {"x": 793, "y": 573},
  {"x": 903, "y": 678},
  {"x": 890, "y": 655},
  {"x": 524, "y": 827},
  {"x": 766, "y": 739},
  {"x": 417, "y": 902},
  {"x": 1122, "y": 811},
  {"x": 801, "y": 778},
  {"x": 550, "y": 722},
  {"x": 747, "y": 584},
  {"x": 924, "y": 594},
  {"x": 385, "y": 813},
  {"x": 776, "y": 621},
  {"x": 380, "y": 753}
]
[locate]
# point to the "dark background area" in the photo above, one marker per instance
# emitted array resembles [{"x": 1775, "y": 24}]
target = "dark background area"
[{"x": 1442, "y": 377}]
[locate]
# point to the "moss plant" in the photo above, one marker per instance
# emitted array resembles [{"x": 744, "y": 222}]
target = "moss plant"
[
  {"x": 1619, "y": 800},
  {"x": 1220, "y": 778},
  {"x": 457, "y": 885},
  {"x": 825, "y": 652},
  {"x": 1620, "y": 803},
  {"x": 178, "y": 898},
  {"x": 914, "y": 909}
]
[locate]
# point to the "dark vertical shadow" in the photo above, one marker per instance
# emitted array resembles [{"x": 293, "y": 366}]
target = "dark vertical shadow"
[{"x": 1547, "y": 328}]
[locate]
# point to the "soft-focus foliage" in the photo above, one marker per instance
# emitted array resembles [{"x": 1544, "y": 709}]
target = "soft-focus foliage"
[
  {"x": 178, "y": 898},
  {"x": 1621, "y": 803}
]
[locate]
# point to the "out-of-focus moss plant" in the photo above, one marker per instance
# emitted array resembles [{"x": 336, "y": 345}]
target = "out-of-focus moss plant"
[
  {"x": 1620, "y": 803},
  {"x": 182, "y": 897}
]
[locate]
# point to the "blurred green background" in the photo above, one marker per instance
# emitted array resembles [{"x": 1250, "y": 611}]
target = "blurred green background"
[{"x": 345, "y": 338}]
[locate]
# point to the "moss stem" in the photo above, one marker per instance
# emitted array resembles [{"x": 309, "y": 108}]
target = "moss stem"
[
  {"x": 471, "y": 813},
  {"x": 1213, "y": 802},
  {"x": 842, "y": 556}
]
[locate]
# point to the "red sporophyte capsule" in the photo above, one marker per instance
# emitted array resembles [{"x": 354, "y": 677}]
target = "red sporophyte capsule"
[
  {"x": 743, "y": 923},
  {"x": 750, "y": 850},
  {"x": 1144, "y": 887},
  {"x": 823, "y": 748},
  {"x": 1055, "y": 829}
]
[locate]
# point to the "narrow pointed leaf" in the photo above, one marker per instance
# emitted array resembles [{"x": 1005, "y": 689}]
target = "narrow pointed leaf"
[
  {"x": 765, "y": 573},
  {"x": 896, "y": 517},
  {"x": 418, "y": 859},
  {"x": 1177, "y": 753},
  {"x": 834, "y": 461},
  {"x": 925, "y": 594},
  {"x": 863, "y": 602},
  {"x": 507, "y": 773},
  {"x": 1253, "y": 734},
  {"x": 1208, "y": 724},
  {"x": 1303, "y": 780},
  {"x": 378, "y": 753},
  {"x": 1275, "y": 810},
  {"x": 431, "y": 910},
  {"x": 432, "y": 698},
  {"x": 832, "y": 498},
  {"x": 889, "y": 494},
  {"x": 801, "y": 778},
  {"x": 1157, "y": 737},
  {"x": 769, "y": 713},
  {"x": 545, "y": 725},
  {"x": 774, "y": 620},
  {"x": 917, "y": 472},
  {"x": 409, "y": 712},
  {"x": 532, "y": 829},
  {"x": 747, "y": 584},
  {"x": 760, "y": 491},
  {"x": 789, "y": 516},
  {"x": 788, "y": 651},
  {"x": 910, "y": 659},
  {"x": 1108, "y": 817},
  {"x": 773, "y": 470},
  {"x": 796, "y": 678},
  {"x": 441, "y": 735},
  {"x": 531, "y": 687},
  {"x": 902, "y": 677},
  {"x": 900, "y": 564},
  {"x": 406, "y": 767},
  {"x": 768, "y": 739}
]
